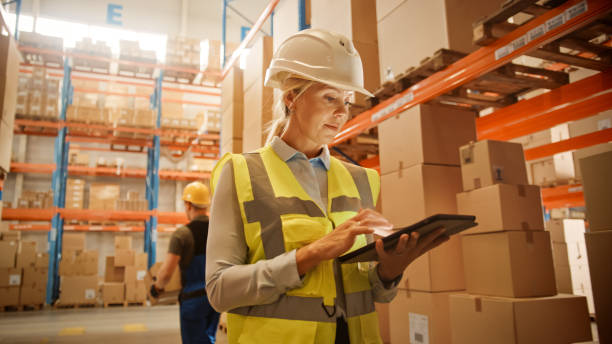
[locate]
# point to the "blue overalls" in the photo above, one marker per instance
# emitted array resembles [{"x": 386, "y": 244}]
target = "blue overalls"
[{"x": 198, "y": 319}]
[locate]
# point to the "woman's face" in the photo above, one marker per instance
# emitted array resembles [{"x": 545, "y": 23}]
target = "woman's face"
[{"x": 320, "y": 112}]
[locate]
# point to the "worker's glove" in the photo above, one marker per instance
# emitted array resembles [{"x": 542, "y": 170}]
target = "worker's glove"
[{"x": 154, "y": 291}]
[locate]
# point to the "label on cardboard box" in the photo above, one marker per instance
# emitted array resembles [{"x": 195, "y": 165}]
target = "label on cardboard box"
[
  {"x": 14, "y": 280},
  {"x": 419, "y": 328},
  {"x": 140, "y": 275},
  {"x": 90, "y": 294}
]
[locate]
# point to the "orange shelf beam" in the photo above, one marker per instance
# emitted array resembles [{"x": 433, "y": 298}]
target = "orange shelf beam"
[
  {"x": 32, "y": 214},
  {"x": 523, "y": 39},
  {"x": 601, "y": 136},
  {"x": 21, "y": 167},
  {"x": 23, "y": 214},
  {"x": 564, "y": 196},
  {"x": 570, "y": 102},
  {"x": 86, "y": 228}
]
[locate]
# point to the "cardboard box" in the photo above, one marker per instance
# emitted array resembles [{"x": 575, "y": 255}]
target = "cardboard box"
[
  {"x": 257, "y": 61},
  {"x": 231, "y": 146},
  {"x": 597, "y": 186},
  {"x": 136, "y": 292},
  {"x": 67, "y": 266},
  {"x": 123, "y": 242},
  {"x": 8, "y": 252},
  {"x": 78, "y": 290},
  {"x": 86, "y": 263},
  {"x": 32, "y": 296},
  {"x": 563, "y": 278},
  {"x": 73, "y": 242},
  {"x": 591, "y": 124},
  {"x": 599, "y": 254},
  {"x": 431, "y": 190},
  {"x": 134, "y": 274},
  {"x": 490, "y": 162},
  {"x": 558, "y": 169},
  {"x": 556, "y": 319},
  {"x": 232, "y": 119},
  {"x": 258, "y": 109},
  {"x": 581, "y": 283},
  {"x": 35, "y": 278},
  {"x": 9, "y": 72},
  {"x": 113, "y": 292},
  {"x": 232, "y": 89},
  {"x": 10, "y": 235},
  {"x": 113, "y": 273},
  {"x": 141, "y": 261},
  {"x": 503, "y": 207},
  {"x": 424, "y": 134},
  {"x": 42, "y": 260},
  {"x": 10, "y": 277},
  {"x": 509, "y": 264},
  {"x": 440, "y": 269},
  {"x": 585, "y": 152},
  {"x": 566, "y": 230},
  {"x": 103, "y": 196},
  {"x": 124, "y": 257},
  {"x": 419, "y": 317},
  {"x": 382, "y": 309},
  {"x": 27, "y": 254},
  {"x": 9, "y": 296},
  {"x": 172, "y": 289}
]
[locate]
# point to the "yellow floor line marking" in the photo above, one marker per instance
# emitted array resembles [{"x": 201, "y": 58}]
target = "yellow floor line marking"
[
  {"x": 72, "y": 331},
  {"x": 134, "y": 328}
]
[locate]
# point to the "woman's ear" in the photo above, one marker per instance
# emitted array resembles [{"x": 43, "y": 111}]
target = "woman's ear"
[{"x": 289, "y": 99}]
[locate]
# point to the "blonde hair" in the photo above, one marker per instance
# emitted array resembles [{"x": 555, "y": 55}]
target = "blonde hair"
[{"x": 281, "y": 111}]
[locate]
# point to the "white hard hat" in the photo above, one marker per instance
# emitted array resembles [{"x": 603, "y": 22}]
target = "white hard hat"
[{"x": 326, "y": 57}]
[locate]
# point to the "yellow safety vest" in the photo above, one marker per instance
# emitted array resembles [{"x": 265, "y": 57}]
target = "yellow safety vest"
[{"x": 279, "y": 216}]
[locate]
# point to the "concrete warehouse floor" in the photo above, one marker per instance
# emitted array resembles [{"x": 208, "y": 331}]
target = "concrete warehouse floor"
[{"x": 116, "y": 325}]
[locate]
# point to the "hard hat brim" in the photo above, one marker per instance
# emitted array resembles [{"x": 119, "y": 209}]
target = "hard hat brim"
[{"x": 276, "y": 83}]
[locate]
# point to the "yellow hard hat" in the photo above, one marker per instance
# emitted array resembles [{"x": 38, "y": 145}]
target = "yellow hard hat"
[
  {"x": 319, "y": 55},
  {"x": 196, "y": 193}
]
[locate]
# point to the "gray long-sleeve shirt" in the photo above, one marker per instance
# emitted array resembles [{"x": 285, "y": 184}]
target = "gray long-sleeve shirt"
[{"x": 230, "y": 281}]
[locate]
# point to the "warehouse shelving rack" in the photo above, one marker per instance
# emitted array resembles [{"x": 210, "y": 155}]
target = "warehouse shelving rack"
[
  {"x": 573, "y": 101},
  {"x": 206, "y": 145}
]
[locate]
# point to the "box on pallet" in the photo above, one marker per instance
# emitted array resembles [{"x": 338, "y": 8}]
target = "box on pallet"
[
  {"x": 113, "y": 292},
  {"x": 438, "y": 270},
  {"x": 597, "y": 185},
  {"x": 9, "y": 296},
  {"x": 113, "y": 273},
  {"x": 10, "y": 277},
  {"x": 123, "y": 242},
  {"x": 558, "y": 169},
  {"x": 124, "y": 257},
  {"x": 8, "y": 253},
  {"x": 509, "y": 263},
  {"x": 431, "y": 134},
  {"x": 490, "y": 162},
  {"x": 78, "y": 290},
  {"x": 103, "y": 196},
  {"x": 419, "y": 317},
  {"x": 598, "y": 246},
  {"x": 502, "y": 207},
  {"x": 555, "y": 319},
  {"x": 432, "y": 190},
  {"x": 27, "y": 254},
  {"x": 42, "y": 260},
  {"x": 34, "y": 286},
  {"x": 72, "y": 242}
]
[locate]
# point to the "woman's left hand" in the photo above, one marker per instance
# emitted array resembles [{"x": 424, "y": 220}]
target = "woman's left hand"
[{"x": 393, "y": 262}]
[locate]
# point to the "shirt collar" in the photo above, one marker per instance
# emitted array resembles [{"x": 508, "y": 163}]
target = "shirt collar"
[{"x": 286, "y": 152}]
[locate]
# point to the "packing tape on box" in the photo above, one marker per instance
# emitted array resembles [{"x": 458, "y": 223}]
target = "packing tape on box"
[
  {"x": 467, "y": 155},
  {"x": 477, "y": 183},
  {"x": 478, "y": 304},
  {"x": 525, "y": 226},
  {"x": 529, "y": 237}
]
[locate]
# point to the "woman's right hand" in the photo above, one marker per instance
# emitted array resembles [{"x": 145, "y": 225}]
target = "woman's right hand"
[{"x": 340, "y": 240}]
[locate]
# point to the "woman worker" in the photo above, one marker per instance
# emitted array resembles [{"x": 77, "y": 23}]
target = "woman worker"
[{"x": 282, "y": 214}]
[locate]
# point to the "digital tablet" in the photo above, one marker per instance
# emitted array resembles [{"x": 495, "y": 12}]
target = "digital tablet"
[{"x": 453, "y": 224}]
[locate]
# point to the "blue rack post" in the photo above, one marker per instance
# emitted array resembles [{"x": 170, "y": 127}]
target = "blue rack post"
[
  {"x": 302, "y": 16},
  {"x": 152, "y": 181},
  {"x": 60, "y": 175}
]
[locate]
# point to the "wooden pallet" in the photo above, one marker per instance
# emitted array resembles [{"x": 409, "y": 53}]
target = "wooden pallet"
[
  {"x": 491, "y": 28},
  {"x": 36, "y": 307},
  {"x": 10, "y": 308},
  {"x": 180, "y": 76},
  {"x": 135, "y": 303},
  {"x": 59, "y": 305},
  {"x": 114, "y": 304}
]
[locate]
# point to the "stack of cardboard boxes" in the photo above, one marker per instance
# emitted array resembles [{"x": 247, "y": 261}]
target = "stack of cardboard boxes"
[
  {"x": 596, "y": 171},
  {"x": 103, "y": 196},
  {"x": 23, "y": 272},
  {"x": 419, "y": 162},
  {"x": 130, "y": 51},
  {"x": 36, "y": 40},
  {"x": 509, "y": 273},
  {"x": 34, "y": 199},
  {"x": 232, "y": 111},
  {"x": 10, "y": 58},
  {"x": 78, "y": 270},
  {"x": 76, "y": 157},
  {"x": 202, "y": 165},
  {"x": 86, "y": 46},
  {"x": 38, "y": 96},
  {"x": 258, "y": 100},
  {"x": 132, "y": 202},
  {"x": 570, "y": 258},
  {"x": 75, "y": 193},
  {"x": 124, "y": 274},
  {"x": 183, "y": 51},
  {"x": 359, "y": 25}
]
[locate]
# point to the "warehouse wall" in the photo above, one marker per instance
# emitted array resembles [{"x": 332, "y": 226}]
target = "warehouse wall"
[{"x": 204, "y": 17}]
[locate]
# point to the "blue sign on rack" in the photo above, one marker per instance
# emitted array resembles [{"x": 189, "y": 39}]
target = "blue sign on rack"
[{"x": 113, "y": 14}]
